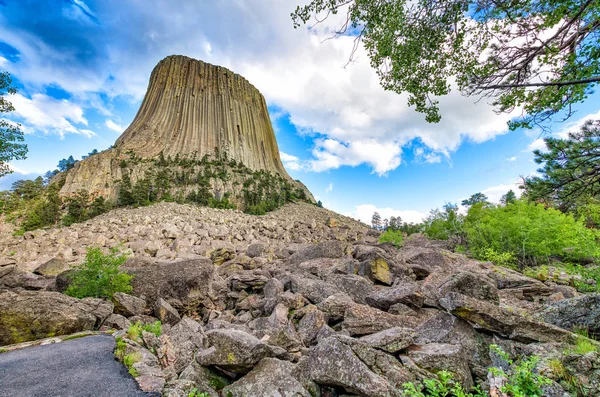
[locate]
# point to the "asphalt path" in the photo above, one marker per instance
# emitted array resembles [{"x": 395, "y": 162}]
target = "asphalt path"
[{"x": 82, "y": 367}]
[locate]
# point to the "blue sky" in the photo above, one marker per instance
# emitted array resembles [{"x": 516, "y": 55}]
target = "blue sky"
[{"x": 82, "y": 68}]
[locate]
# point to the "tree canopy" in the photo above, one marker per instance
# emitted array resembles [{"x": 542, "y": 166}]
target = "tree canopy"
[
  {"x": 571, "y": 168},
  {"x": 10, "y": 133},
  {"x": 538, "y": 56}
]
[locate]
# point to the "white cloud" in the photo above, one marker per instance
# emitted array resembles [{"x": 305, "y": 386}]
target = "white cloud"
[
  {"x": 494, "y": 193},
  {"x": 537, "y": 144},
  {"x": 295, "y": 69},
  {"x": 114, "y": 126},
  {"x": 364, "y": 213},
  {"x": 329, "y": 188},
  {"x": 18, "y": 170},
  {"x": 576, "y": 125},
  {"x": 291, "y": 162},
  {"x": 48, "y": 115},
  {"x": 511, "y": 159}
]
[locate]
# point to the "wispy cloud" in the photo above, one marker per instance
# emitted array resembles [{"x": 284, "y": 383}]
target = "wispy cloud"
[
  {"x": 511, "y": 159},
  {"x": 114, "y": 126},
  {"x": 329, "y": 188}
]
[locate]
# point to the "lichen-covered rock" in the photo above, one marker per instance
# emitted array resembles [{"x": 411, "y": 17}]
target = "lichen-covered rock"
[
  {"x": 179, "y": 344},
  {"x": 185, "y": 281},
  {"x": 30, "y": 315},
  {"x": 436, "y": 357},
  {"x": 165, "y": 312},
  {"x": 323, "y": 365},
  {"x": 234, "y": 350},
  {"x": 270, "y": 377},
  {"x": 391, "y": 340},
  {"x": 364, "y": 320},
  {"x": 407, "y": 294},
  {"x": 579, "y": 312},
  {"x": 128, "y": 305}
]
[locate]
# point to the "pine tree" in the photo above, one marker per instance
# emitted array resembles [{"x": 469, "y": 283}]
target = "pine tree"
[{"x": 376, "y": 221}]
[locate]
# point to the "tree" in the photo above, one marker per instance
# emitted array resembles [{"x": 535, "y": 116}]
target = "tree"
[
  {"x": 508, "y": 198},
  {"x": 474, "y": 199},
  {"x": 376, "y": 221},
  {"x": 571, "y": 168},
  {"x": 66, "y": 164},
  {"x": 541, "y": 56},
  {"x": 10, "y": 133}
]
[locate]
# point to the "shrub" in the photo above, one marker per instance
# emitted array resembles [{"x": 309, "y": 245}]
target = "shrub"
[
  {"x": 392, "y": 236},
  {"x": 445, "y": 386},
  {"x": 134, "y": 332},
  {"x": 522, "y": 380},
  {"x": 529, "y": 231},
  {"x": 99, "y": 276}
]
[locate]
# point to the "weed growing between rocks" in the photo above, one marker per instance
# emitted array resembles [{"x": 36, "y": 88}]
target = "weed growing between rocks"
[
  {"x": 522, "y": 380},
  {"x": 99, "y": 275},
  {"x": 129, "y": 360},
  {"x": 444, "y": 386},
  {"x": 134, "y": 332}
]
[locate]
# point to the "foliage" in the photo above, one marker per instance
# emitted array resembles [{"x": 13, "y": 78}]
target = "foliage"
[
  {"x": 196, "y": 393},
  {"x": 376, "y": 221},
  {"x": 540, "y": 56},
  {"x": 129, "y": 360},
  {"x": 504, "y": 259},
  {"x": 443, "y": 225},
  {"x": 583, "y": 278},
  {"x": 524, "y": 229},
  {"x": 583, "y": 343},
  {"x": 319, "y": 204},
  {"x": 522, "y": 379},
  {"x": 121, "y": 348},
  {"x": 392, "y": 236},
  {"x": 66, "y": 164},
  {"x": 99, "y": 275},
  {"x": 11, "y": 135},
  {"x": 475, "y": 199},
  {"x": 571, "y": 168},
  {"x": 508, "y": 198},
  {"x": 134, "y": 332},
  {"x": 443, "y": 386}
]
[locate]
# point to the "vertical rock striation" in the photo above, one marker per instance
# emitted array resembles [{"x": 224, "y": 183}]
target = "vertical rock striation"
[{"x": 192, "y": 106}]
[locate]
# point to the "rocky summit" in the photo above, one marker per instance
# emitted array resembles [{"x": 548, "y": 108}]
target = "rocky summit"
[
  {"x": 192, "y": 111},
  {"x": 300, "y": 302}
]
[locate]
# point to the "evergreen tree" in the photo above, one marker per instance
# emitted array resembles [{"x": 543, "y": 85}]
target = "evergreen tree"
[
  {"x": 376, "y": 221},
  {"x": 508, "y": 198},
  {"x": 571, "y": 170},
  {"x": 66, "y": 164},
  {"x": 11, "y": 135},
  {"x": 475, "y": 199}
]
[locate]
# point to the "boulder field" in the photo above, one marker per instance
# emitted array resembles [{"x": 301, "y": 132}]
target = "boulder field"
[{"x": 300, "y": 302}]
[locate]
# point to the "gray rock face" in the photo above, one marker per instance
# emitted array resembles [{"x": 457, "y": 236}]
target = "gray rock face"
[
  {"x": 234, "y": 350},
  {"x": 391, "y": 340},
  {"x": 580, "y": 312},
  {"x": 271, "y": 377},
  {"x": 328, "y": 249},
  {"x": 322, "y": 366},
  {"x": 30, "y": 315},
  {"x": 128, "y": 305},
  {"x": 184, "y": 281},
  {"x": 165, "y": 312},
  {"x": 180, "y": 343},
  {"x": 407, "y": 294},
  {"x": 439, "y": 356}
]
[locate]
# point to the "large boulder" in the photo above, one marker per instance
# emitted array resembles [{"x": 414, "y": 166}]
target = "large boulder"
[
  {"x": 579, "y": 312},
  {"x": 436, "y": 357},
  {"x": 234, "y": 350},
  {"x": 179, "y": 344},
  {"x": 407, "y": 294},
  {"x": 128, "y": 305},
  {"x": 326, "y": 249},
  {"x": 364, "y": 320},
  {"x": 184, "y": 284},
  {"x": 334, "y": 363},
  {"x": 501, "y": 321},
  {"x": 30, "y": 315},
  {"x": 271, "y": 377}
]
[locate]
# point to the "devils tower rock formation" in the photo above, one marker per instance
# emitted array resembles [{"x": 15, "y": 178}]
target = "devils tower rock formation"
[
  {"x": 192, "y": 110},
  {"x": 192, "y": 106}
]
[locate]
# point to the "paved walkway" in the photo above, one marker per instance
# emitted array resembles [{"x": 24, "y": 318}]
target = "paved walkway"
[{"x": 83, "y": 367}]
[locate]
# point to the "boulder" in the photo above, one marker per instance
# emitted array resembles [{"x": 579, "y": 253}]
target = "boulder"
[
  {"x": 313, "y": 290},
  {"x": 501, "y": 321},
  {"x": 322, "y": 366},
  {"x": 391, "y": 340},
  {"x": 30, "y": 315},
  {"x": 579, "y": 312},
  {"x": 179, "y": 344},
  {"x": 186, "y": 281},
  {"x": 234, "y": 350},
  {"x": 53, "y": 267},
  {"x": 255, "y": 249},
  {"x": 376, "y": 266},
  {"x": 407, "y": 294},
  {"x": 116, "y": 321},
  {"x": 26, "y": 280},
  {"x": 309, "y": 326},
  {"x": 165, "y": 312},
  {"x": 364, "y": 320},
  {"x": 128, "y": 305},
  {"x": 436, "y": 357},
  {"x": 326, "y": 249},
  {"x": 271, "y": 377},
  {"x": 203, "y": 378}
]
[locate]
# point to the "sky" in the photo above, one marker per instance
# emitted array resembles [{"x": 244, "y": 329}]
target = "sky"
[{"x": 82, "y": 69}]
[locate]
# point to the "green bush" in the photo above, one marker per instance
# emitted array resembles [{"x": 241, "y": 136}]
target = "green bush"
[
  {"x": 443, "y": 386},
  {"x": 392, "y": 236},
  {"x": 530, "y": 232},
  {"x": 99, "y": 276},
  {"x": 522, "y": 380},
  {"x": 134, "y": 332},
  {"x": 443, "y": 225}
]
